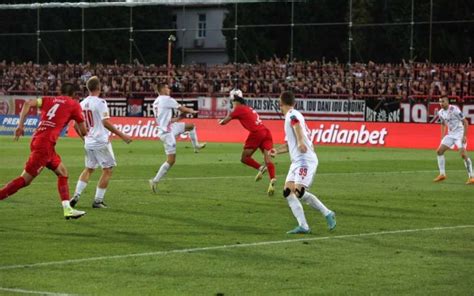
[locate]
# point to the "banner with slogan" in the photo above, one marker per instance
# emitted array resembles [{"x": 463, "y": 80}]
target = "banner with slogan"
[
  {"x": 382, "y": 109},
  {"x": 312, "y": 108},
  {"x": 368, "y": 134}
]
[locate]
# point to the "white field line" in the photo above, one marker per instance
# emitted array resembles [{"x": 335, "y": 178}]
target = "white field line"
[
  {"x": 223, "y": 247},
  {"x": 22, "y": 291},
  {"x": 280, "y": 175}
]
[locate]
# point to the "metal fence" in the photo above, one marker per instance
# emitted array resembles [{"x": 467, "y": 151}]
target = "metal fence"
[{"x": 34, "y": 27}]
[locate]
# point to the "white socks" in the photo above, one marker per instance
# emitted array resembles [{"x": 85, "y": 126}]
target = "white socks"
[
  {"x": 99, "y": 194},
  {"x": 314, "y": 202},
  {"x": 162, "y": 172},
  {"x": 65, "y": 204},
  {"x": 297, "y": 210},
  {"x": 194, "y": 138},
  {"x": 81, "y": 185},
  {"x": 441, "y": 165},
  {"x": 468, "y": 165}
]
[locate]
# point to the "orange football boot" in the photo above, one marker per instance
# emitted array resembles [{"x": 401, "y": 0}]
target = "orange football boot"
[
  {"x": 470, "y": 181},
  {"x": 439, "y": 178}
]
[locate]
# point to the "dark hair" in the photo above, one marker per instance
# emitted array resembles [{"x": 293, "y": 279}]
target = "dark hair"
[
  {"x": 288, "y": 98},
  {"x": 161, "y": 85},
  {"x": 68, "y": 89},
  {"x": 93, "y": 84},
  {"x": 239, "y": 100}
]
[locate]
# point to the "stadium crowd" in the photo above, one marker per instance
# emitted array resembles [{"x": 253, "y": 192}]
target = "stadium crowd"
[{"x": 265, "y": 77}]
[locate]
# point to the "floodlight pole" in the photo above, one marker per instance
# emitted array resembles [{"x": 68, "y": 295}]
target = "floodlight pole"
[
  {"x": 82, "y": 36},
  {"x": 292, "y": 28},
  {"x": 236, "y": 28},
  {"x": 130, "y": 39},
  {"x": 349, "y": 49},
  {"x": 431, "y": 31},
  {"x": 38, "y": 38},
  {"x": 412, "y": 24},
  {"x": 183, "y": 31}
]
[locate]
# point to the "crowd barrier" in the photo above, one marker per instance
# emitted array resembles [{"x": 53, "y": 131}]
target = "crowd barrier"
[{"x": 415, "y": 109}]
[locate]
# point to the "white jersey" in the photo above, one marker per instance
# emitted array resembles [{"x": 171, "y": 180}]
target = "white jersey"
[
  {"x": 95, "y": 110},
  {"x": 163, "y": 107},
  {"x": 453, "y": 118},
  {"x": 291, "y": 118}
]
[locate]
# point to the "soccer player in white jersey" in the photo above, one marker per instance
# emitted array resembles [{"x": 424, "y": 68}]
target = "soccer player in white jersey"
[
  {"x": 304, "y": 163},
  {"x": 456, "y": 124},
  {"x": 96, "y": 143},
  {"x": 169, "y": 128}
]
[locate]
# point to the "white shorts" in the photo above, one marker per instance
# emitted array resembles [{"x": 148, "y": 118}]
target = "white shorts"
[
  {"x": 103, "y": 157},
  {"x": 302, "y": 173},
  {"x": 453, "y": 140},
  {"x": 169, "y": 139}
]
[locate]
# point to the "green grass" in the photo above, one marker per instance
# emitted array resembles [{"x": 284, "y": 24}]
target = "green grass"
[{"x": 372, "y": 190}]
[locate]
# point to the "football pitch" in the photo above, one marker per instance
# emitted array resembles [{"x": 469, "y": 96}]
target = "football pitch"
[{"x": 212, "y": 230}]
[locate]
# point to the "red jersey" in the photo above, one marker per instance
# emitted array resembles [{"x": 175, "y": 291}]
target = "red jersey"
[
  {"x": 248, "y": 118},
  {"x": 56, "y": 112}
]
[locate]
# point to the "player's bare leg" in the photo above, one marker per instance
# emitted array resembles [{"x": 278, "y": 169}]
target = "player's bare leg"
[
  {"x": 81, "y": 185},
  {"x": 246, "y": 158},
  {"x": 171, "y": 159},
  {"x": 296, "y": 208},
  {"x": 189, "y": 127},
  {"x": 16, "y": 184},
  {"x": 102, "y": 188},
  {"x": 63, "y": 189},
  {"x": 271, "y": 172},
  {"x": 468, "y": 165},
  {"x": 310, "y": 199},
  {"x": 441, "y": 163}
]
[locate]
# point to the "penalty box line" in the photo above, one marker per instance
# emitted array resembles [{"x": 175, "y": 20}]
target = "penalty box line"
[{"x": 233, "y": 246}]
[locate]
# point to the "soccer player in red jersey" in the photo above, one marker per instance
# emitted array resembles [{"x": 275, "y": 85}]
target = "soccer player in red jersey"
[
  {"x": 56, "y": 112},
  {"x": 259, "y": 137}
]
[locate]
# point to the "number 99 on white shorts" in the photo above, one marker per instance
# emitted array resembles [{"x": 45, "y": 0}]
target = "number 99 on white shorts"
[
  {"x": 302, "y": 173},
  {"x": 103, "y": 157}
]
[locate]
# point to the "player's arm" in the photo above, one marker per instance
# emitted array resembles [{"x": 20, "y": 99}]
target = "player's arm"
[
  {"x": 225, "y": 120},
  {"x": 127, "y": 139},
  {"x": 299, "y": 137},
  {"x": 185, "y": 109},
  {"x": 20, "y": 130},
  {"x": 82, "y": 133},
  {"x": 465, "y": 123},
  {"x": 443, "y": 128},
  {"x": 283, "y": 148}
]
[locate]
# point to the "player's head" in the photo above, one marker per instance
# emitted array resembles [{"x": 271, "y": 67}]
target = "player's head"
[
  {"x": 287, "y": 98},
  {"x": 444, "y": 102},
  {"x": 163, "y": 89},
  {"x": 93, "y": 84},
  {"x": 67, "y": 89}
]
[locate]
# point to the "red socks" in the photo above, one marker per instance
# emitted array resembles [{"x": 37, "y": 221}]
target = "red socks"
[
  {"x": 271, "y": 170},
  {"x": 12, "y": 187},
  {"x": 63, "y": 188},
  {"x": 251, "y": 162}
]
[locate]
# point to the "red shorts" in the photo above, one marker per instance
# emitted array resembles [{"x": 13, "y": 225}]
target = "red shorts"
[
  {"x": 260, "y": 139},
  {"x": 42, "y": 155}
]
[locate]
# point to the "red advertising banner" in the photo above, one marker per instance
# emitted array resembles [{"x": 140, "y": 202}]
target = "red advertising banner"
[{"x": 400, "y": 135}]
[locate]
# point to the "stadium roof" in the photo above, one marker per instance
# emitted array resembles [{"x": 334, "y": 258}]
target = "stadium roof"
[{"x": 128, "y": 3}]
